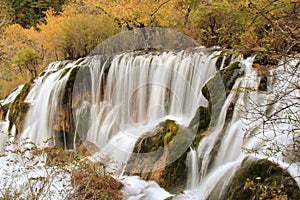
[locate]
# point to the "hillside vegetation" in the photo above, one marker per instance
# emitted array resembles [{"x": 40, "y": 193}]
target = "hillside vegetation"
[{"x": 37, "y": 32}]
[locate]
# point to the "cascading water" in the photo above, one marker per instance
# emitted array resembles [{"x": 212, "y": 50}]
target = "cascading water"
[
  {"x": 117, "y": 99},
  {"x": 139, "y": 91},
  {"x": 193, "y": 178},
  {"x": 215, "y": 175},
  {"x": 44, "y": 98},
  {"x": 4, "y": 125}
]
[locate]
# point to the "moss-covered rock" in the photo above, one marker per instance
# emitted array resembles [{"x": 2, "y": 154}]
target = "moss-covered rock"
[
  {"x": 3, "y": 111},
  {"x": 215, "y": 91},
  {"x": 223, "y": 59},
  {"x": 230, "y": 74},
  {"x": 63, "y": 125},
  {"x": 160, "y": 155},
  {"x": 200, "y": 123},
  {"x": 262, "y": 179},
  {"x": 67, "y": 95},
  {"x": 218, "y": 87},
  {"x": 18, "y": 109}
]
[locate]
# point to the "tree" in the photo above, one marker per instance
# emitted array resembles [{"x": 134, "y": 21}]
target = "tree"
[
  {"x": 28, "y": 13},
  {"x": 27, "y": 60},
  {"x": 247, "y": 26},
  {"x": 74, "y": 33},
  {"x": 134, "y": 14},
  {"x": 5, "y": 13}
]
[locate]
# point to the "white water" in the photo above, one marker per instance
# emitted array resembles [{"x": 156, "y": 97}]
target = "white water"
[
  {"x": 141, "y": 91},
  {"x": 193, "y": 160},
  {"x": 3, "y": 135},
  {"x": 137, "y": 189},
  {"x": 44, "y": 98},
  {"x": 12, "y": 96},
  {"x": 247, "y": 116},
  {"x": 4, "y": 125}
]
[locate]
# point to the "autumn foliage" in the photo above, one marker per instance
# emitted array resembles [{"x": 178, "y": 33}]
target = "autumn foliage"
[{"x": 73, "y": 28}]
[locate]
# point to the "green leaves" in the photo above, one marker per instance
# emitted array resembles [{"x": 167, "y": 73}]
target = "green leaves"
[
  {"x": 27, "y": 60},
  {"x": 28, "y": 13}
]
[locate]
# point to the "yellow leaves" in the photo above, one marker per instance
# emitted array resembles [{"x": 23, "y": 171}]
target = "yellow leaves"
[
  {"x": 139, "y": 13},
  {"x": 14, "y": 39},
  {"x": 258, "y": 48},
  {"x": 4, "y": 15},
  {"x": 77, "y": 30},
  {"x": 82, "y": 33}
]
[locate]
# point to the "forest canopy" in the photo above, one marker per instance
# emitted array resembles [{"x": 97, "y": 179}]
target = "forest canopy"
[{"x": 37, "y": 32}]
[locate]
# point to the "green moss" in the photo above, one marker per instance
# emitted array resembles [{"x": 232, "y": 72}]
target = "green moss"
[
  {"x": 200, "y": 124},
  {"x": 225, "y": 56},
  {"x": 262, "y": 179},
  {"x": 170, "y": 131},
  {"x": 230, "y": 74},
  {"x": 165, "y": 146},
  {"x": 161, "y": 137},
  {"x": 24, "y": 92},
  {"x": 19, "y": 108},
  {"x": 197, "y": 139},
  {"x": 64, "y": 73}
]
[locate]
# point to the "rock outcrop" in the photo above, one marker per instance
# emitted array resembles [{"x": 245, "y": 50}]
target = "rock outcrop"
[
  {"x": 262, "y": 179},
  {"x": 18, "y": 109},
  {"x": 160, "y": 155},
  {"x": 215, "y": 91}
]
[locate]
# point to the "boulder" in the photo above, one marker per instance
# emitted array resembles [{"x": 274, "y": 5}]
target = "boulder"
[
  {"x": 160, "y": 155},
  {"x": 262, "y": 179}
]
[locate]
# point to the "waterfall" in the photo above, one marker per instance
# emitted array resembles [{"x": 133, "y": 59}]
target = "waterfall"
[
  {"x": 215, "y": 175},
  {"x": 44, "y": 98},
  {"x": 112, "y": 101},
  {"x": 138, "y": 92},
  {"x": 194, "y": 169},
  {"x": 4, "y": 125},
  {"x": 115, "y": 99}
]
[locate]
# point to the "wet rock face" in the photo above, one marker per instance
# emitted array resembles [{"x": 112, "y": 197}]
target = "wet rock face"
[
  {"x": 18, "y": 109},
  {"x": 160, "y": 155},
  {"x": 215, "y": 91},
  {"x": 3, "y": 111},
  {"x": 63, "y": 128},
  {"x": 262, "y": 179}
]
